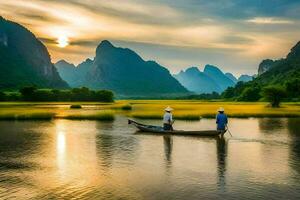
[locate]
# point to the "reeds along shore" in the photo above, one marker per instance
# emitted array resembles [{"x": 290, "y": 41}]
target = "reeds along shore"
[
  {"x": 142, "y": 109},
  {"x": 100, "y": 115}
]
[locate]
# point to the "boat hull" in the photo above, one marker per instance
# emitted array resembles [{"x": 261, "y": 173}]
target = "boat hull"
[{"x": 159, "y": 130}]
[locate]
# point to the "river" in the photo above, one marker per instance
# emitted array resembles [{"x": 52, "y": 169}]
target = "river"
[{"x": 65, "y": 159}]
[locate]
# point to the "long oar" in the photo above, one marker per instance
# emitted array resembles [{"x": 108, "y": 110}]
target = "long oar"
[{"x": 228, "y": 130}]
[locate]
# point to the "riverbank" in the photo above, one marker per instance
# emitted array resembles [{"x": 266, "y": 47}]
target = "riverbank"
[{"x": 142, "y": 109}]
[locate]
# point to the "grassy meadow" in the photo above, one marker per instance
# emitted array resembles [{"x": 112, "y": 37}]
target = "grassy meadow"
[{"x": 140, "y": 109}]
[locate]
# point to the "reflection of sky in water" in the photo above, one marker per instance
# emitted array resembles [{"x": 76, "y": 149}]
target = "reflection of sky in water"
[
  {"x": 61, "y": 148},
  {"x": 90, "y": 159}
]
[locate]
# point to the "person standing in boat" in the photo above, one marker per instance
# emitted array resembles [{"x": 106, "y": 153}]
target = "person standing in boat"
[
  {"x": 168, "y": 119},
  {"x": 221, "y": 120}
]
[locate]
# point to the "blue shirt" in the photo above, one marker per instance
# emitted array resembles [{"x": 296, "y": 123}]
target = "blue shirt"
[{"x": 221, "y": 121}]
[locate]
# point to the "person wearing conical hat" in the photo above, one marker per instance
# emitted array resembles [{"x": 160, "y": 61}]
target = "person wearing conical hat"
[
  {"x": 168, "y": 119},
  {"x": 221, "y": 120}
]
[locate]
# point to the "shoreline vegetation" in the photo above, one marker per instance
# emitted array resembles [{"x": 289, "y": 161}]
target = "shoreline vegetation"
[{"x": 142, "y": 109}]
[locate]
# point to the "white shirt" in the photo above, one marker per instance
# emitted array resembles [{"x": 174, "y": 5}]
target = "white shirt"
[{"x": 168, "y": 118}]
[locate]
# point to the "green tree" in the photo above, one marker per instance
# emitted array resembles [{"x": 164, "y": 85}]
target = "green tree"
[
  {"x": 293, "y": 87},
  {"x": 43, "y": 95},
  {"x": 250, "y": 94},
  {"x": 13, "y": 96},
  {"x": 228, "y": 93},
  {"x": 104, "y": 96},
  {"x": 274, "y": 94},
  {"x": 61, "y": 95},
  {"x": 81, "y": 94},
  {"x": 2, "y": 96},
  {"x": 28, "y": 93}
]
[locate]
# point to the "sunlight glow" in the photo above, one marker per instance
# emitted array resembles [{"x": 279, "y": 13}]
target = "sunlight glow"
[
  {"x": 269, "y": 20},
  {"x": 61, "y": 152},
  {"x": 62, "y": 41},
  {"x": 61, "y": 143},
  {"x": 212, "y": 37}
]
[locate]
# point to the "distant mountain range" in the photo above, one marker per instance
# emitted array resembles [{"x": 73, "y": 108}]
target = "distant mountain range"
[
  {"x": 122, "y": 71},
  {"x": 242, "y": 78},
  {"x": 246, "y": 78},
  {"x": 24, "y": 60},
  {"x": 212, "y": 79},
  {"x": 196, "y": 81},
  {"x": 74, "y": 75}
]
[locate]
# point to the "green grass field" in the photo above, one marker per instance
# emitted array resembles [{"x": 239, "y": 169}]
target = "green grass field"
[{"x": 141, "y": 109}]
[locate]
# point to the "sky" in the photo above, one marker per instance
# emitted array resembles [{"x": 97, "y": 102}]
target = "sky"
[{"x": 235, "y": 35}]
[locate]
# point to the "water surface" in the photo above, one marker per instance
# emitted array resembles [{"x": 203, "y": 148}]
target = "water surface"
[{"x": 65, "y": 159}]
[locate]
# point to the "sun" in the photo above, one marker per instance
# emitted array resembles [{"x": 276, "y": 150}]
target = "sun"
[{"x": 62, "y": 41}]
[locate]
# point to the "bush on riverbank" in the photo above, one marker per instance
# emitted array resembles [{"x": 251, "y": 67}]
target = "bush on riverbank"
[
  {"x": 127, "y": 107},
  {"x": 75, "y": 106}
]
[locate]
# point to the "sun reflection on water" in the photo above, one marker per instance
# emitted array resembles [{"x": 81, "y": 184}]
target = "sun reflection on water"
[
  {"x": 61, "y": 143},
  {"x": 91, "y": 159},
  {"x": 61, "y": 149}
]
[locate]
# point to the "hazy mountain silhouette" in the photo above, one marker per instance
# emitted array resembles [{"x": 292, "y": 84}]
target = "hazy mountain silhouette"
[
  {"x": 231, "y": 77},
  {"x": 74, "y": 75},
  {"x": 212, "y": 79},
  {"x": 123, "y": 71},
  {"x": 196, "y": 81},
  {"x": 24, "y": 59},
  {"x": 245, "y": 78},
  {"x": 218, "y": 76}
]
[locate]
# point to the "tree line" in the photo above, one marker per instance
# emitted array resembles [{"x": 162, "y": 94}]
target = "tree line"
[
  {"x": 255, "y": 91},
  {"x": 31, "y": 93}
]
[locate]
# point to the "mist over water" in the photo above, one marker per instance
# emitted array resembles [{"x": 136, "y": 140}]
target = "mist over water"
[{"x": 91, "y": 159}]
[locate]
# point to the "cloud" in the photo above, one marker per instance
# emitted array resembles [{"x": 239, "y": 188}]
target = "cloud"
[
  {"x": 87, "y": 43},
  {"x": 236, "y": 39},
  {"x": 187, "y": 32},
  {"x": 269, "y": 20},
  {"x": 48, "y": 40}
]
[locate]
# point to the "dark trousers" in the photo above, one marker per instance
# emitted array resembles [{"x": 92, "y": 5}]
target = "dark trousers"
[
  {"x": 221, "y": 131},
  {"x": 168, "y": 127}
]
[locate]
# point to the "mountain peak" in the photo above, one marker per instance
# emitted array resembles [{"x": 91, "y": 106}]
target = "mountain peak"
[
  {"x": 231, "y": 77},
  {"x": 295, "y": 52},
  {"x": 217, "y": 75},
  {"x": 26, "y": 60},
  {"x": 88, "y": 60},
  {"x": 212, "y": 68},
  {"x": 192, "y": 70},
  {"x": 105, "y": 44},
  {"x": 265, "y": 65},
  {"x": 196, "y": 81},
  {"x": 62, "y": 61},
  {"x": 245, "y": 78}
]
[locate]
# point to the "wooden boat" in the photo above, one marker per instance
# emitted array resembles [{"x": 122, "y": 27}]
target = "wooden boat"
[{"x": 160, "y": 130}]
